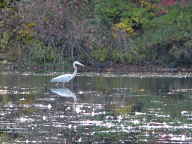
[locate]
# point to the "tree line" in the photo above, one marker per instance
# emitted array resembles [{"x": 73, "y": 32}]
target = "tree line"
[{"x": 154, "y": 32}]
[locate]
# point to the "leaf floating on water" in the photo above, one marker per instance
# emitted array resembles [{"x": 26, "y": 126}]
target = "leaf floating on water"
[
  {"x": 3, "y": 91},
  {"x": 141, "y": 90}
]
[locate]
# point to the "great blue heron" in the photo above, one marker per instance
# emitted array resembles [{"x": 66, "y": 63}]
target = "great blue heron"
[{"x": 67, "y": 77}]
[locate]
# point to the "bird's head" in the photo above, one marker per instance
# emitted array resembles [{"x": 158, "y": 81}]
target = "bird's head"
[{"x": 78, "y": 63}]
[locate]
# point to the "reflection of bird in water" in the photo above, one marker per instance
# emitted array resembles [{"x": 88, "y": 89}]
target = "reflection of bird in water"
[
  {"x": 67, "y": 77},
  {"x": 65, "y": 92}
]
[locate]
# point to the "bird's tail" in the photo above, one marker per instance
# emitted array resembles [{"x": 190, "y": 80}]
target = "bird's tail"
[{"x": 52, "y": 80}]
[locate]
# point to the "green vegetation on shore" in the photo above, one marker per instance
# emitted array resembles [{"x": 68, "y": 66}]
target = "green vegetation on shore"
[{"x": 157, "y": 32}]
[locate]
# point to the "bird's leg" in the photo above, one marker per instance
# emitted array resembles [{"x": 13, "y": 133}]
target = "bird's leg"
[{"x": 57, "y": 84}]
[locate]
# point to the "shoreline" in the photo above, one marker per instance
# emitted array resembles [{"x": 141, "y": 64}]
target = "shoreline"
[
  {"x": 121, "y": 70},
  {"x": 132, "y": 68},
  {"x": 105, "y": 74}
]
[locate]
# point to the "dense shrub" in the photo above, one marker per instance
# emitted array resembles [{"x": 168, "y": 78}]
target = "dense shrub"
[
  {"x": 151, "y": 32},
  {"x": 122, "y": 31}
]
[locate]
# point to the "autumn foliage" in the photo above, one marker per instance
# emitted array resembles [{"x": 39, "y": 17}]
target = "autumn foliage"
[{"x": 121, "y": 31}]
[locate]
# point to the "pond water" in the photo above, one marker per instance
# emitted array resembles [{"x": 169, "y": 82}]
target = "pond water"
[{"x": 109, "y": 109}]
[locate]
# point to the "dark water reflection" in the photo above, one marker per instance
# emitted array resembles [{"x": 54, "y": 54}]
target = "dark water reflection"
[{"x": 94, "y": 109}]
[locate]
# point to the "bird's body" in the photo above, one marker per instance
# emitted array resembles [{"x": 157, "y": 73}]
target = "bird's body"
[
  {"x": 63, "y": 78},
  {"x": 67, "y": 77}
]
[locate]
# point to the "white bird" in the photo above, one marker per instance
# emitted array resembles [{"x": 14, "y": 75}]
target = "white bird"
[{"x": 67, "y": 77}]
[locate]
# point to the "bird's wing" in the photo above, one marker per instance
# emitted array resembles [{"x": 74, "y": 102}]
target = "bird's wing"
[{"x": 62, "y": 78}]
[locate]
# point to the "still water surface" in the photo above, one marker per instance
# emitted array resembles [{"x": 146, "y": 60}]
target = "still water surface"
[{"x": 95, "y": 109}]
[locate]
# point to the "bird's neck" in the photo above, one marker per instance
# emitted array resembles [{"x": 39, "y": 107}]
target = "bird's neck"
[{"x": 75, "y": 70}]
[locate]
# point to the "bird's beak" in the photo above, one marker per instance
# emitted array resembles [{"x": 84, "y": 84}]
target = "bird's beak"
[{"x": 81, "y": 64}]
